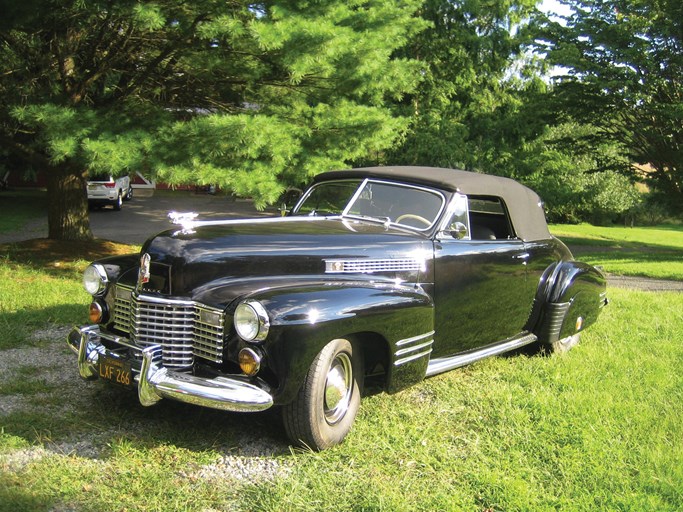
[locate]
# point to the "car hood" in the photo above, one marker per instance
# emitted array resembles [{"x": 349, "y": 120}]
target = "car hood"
[{"x": 217, "y": 263}]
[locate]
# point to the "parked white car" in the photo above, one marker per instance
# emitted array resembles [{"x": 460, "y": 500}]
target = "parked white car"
[{"x": 107, "y": 190}]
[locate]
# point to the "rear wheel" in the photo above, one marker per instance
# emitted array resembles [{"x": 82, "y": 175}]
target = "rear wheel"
[
  {"x": 324, "y": 410},
  {"x": 119, "y": 202},
  {"x": 129, "y": 194}
]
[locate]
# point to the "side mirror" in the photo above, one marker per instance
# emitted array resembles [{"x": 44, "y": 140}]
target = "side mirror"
[{"x": 458, "y": 230}]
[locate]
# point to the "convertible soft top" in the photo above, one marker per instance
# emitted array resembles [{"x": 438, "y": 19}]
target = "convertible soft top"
[{"x": 523, "y": 204}]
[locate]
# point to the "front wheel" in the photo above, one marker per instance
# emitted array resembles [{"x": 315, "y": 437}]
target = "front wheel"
[{"x": 324, "y": 410}]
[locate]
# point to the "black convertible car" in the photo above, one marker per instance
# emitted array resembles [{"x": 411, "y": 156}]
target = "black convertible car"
[{"x": 378, "y": 277}]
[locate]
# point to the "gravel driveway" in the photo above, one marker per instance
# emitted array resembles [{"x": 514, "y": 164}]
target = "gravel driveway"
[{"x": 99, "y": 414}]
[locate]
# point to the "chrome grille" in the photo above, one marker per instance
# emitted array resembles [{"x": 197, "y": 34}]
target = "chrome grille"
[{"x": 183, "y": 329}]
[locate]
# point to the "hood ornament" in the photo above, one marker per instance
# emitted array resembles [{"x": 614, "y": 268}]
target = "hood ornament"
[
  {"x": 143, "y": 274},
  {"x": 184, "y": 219}
]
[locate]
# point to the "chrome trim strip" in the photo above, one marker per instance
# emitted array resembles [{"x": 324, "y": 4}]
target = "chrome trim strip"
[
  {"x": 408, "y": 359},
  {"x": 444, "y": 364},
  {"x": 414, "y": 338},
  {"x": 414, "y": 348},
  {"x": 188, "y": 225},
  {"x": 155, "y": 383}
]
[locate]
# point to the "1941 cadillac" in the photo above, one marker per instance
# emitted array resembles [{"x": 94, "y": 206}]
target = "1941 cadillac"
[{"x": 378, "y": 277}]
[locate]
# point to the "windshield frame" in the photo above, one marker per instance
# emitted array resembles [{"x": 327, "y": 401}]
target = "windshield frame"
[{"x": 362, "y": 184}]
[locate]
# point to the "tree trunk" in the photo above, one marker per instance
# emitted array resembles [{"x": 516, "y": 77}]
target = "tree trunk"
[{"x": 67, "y": 204}]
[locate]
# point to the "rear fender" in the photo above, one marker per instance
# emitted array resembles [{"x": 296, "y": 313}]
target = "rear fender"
[
  {"x": 569, "y": 299},
  {"x": 304, "y": 319}
]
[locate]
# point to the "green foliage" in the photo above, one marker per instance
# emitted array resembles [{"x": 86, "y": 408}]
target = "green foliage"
[
  {"x": 469, "y": 111},
  {"x": 578, "y": 177},
  {"x": 623, "y": 62},
  {"x": 252, "y": 97}
]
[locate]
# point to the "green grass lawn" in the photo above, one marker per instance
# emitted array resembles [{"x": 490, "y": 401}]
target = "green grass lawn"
[
  {"x": 651, "y": 252},
  {"x": 596, "y": 429}
]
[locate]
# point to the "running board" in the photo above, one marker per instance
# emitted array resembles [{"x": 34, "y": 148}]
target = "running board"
[{"x": 444, "y": 364}]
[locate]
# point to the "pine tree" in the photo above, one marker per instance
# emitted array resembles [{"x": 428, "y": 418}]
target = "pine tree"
[{"x": 248, "y": 96}]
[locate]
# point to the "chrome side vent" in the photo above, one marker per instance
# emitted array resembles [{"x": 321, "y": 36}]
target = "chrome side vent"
[
  {"x": 122, "y": 303},
  {"x": 369, "y": 266},
  {"x": 410, "y": 349},
  {"x": 208, "y": 333}
]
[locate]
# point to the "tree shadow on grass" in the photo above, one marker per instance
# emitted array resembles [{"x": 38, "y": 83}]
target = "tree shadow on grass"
[
  {"x": 581, "y": 245},
  {"x": 58, "y": 258}
]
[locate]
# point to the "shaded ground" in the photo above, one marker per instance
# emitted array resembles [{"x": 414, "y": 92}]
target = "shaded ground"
[{"x": 144, "y": 216}]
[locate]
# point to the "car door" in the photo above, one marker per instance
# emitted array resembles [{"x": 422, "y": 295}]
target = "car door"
[{"x": 482, "y": 293}]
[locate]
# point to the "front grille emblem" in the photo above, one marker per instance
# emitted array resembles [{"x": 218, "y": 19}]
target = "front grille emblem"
[{"x": 143, "y": 274}]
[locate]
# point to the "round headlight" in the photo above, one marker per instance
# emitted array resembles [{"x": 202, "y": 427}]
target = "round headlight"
[
  {"x": 95, "y": 279},
  {"x": 251, "y": 321}
]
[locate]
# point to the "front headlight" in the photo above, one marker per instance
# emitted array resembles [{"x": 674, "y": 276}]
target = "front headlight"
[
  {"x": 251, "y": 321},
  {"x": 95, "y": 279}
]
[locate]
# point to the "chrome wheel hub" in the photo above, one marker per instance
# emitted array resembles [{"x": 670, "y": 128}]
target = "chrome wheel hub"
[{"x": 338, "y": 388}]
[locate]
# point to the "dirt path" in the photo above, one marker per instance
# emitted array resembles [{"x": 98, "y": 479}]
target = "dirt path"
[{"x": 645, "y": 284}]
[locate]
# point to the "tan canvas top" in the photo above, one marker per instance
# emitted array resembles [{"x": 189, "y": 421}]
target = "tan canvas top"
[{"x": 523, "y": 204}]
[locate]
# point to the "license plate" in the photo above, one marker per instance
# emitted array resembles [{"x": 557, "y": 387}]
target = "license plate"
[{"x": 115, "y": 370}]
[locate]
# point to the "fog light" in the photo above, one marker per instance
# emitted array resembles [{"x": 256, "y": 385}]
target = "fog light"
[
  {"x": 579, "y": 323},
  {"x": 250, "y": 361},
  {"x": 96, "y": 313}
]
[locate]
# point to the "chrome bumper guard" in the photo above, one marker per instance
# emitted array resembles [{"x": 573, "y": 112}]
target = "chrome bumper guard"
[{"x": 155, "y": 383}]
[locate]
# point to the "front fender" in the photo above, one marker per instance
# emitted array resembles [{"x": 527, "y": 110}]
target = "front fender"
[
  {"x": 570, "y": 297},
  {"x": 115, "y": 266},
  {"x": 304, "y": 319}
]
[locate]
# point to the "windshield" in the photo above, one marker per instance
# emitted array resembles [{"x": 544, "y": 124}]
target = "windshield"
[
  {"x": 329, "y": 198},
  {"x": 407, "y": 205}
]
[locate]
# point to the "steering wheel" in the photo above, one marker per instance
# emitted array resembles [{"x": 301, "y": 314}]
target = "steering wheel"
[{"x": 414, "y": 217}]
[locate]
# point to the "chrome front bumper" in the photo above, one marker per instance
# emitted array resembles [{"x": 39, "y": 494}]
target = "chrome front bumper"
[{"x": 155, "y": 382}]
